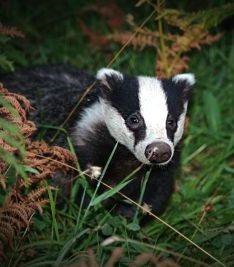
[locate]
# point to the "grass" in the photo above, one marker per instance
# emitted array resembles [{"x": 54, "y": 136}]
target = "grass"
[{"x": 202, "y": 207}]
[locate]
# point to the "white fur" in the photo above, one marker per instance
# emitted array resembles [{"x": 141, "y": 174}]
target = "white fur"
[
  {"x": 95, "y": 171},
  {"x": 90, "y": 117},
  {"x": 153, "y": 108},
  {"x": 188, "y": 77},
  {"x": 102, "y": 73},
  {"x": 116, "y": 125},
  {"x": 180, "y": 125}
]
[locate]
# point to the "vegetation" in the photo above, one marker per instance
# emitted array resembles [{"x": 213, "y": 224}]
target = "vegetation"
[{"x": 202, "y": 208}]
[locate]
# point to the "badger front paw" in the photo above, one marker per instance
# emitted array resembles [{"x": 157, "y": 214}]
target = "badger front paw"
[{"x": 94, "y": 171}]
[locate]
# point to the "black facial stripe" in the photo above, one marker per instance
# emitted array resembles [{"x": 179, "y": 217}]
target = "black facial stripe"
[
  {"x": 140, "y": 134},
  {"x": 124, "y": 94},
  {"x": 124, "y": 97},
  {"x": 171, "y": 131},
  {"x": 175, "y": 102},
  {"x": 138, "y": 128}
]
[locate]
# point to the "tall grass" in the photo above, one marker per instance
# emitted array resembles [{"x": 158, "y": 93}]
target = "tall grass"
[{"x": 202, "y": 206}]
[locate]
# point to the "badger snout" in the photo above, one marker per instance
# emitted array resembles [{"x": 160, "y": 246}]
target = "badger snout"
[{"x": 158, "y": 152}]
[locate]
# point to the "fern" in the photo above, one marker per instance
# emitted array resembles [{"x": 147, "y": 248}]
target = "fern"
[
  {"x": 33, "y": 162},
  {"x": 6, "y": 33},
  {"x": 11, "y": 140},
  {"x": 212, "y": 17},
  {"x": 172, "y": 46},
  {"x": 11, "y": 31}
]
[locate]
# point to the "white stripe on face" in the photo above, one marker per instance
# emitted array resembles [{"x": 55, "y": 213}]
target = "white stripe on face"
[
  {"x": 180, "y": 125},
  {"x": 116, "y": 125},
  {"x": 153, "y": 107},
  {"x": 154, "y": 110}
]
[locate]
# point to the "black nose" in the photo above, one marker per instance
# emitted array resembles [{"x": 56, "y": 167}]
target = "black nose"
[{"x": 158, "y": 152}]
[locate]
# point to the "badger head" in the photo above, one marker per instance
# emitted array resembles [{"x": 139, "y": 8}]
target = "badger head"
[{"x": 146, "y": 114}]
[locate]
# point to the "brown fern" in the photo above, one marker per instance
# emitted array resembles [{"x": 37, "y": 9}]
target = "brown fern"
[
  {"x": 18, "y": 208},
  {"x": 34, "y": 195},
  {"x": 2, "y": 178},
  {"x": 14, "y": 217},
  {"x": 11, "y": 31},
  {"x": 17, "y": 211},
  {"x": 172, "y": 47},
  {"x": 140, "y": 41},
  {"x": 143, "y": 259}
]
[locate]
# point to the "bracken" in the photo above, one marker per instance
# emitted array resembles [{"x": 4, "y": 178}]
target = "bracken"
[{"x": 19, "y": 207}]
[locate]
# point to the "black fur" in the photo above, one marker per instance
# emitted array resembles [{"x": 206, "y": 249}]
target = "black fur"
[
  {"x": 55, "y": 90},
  {"x": 177, "y": 93},
  {"x": 123, "y": 95},
  {"x": 160, "y": 184}
]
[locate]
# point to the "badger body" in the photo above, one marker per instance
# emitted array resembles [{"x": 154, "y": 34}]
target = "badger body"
[{"x": 143, "y": 115}]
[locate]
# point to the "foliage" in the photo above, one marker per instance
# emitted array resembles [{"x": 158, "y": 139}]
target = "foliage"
[
  {"x": 89, "y": 260},
  {"x": 13, "y": 128},
  {"x": 17, "y": 211},
  {"x": 202, "y": 206},
  {"x": 5, "y": 33},
  {"x": 11, "y": 31},
  {"x": 177, "y": 32},
  {"x": 172, "y": 46},
  {"x": 34, "y": 161}
]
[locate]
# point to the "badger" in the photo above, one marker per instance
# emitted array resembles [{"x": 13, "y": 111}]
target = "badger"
[{"x": 143, "y": 115}]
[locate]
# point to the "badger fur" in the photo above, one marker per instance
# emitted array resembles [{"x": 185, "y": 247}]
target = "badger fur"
[{"x": 144, "y": 115}]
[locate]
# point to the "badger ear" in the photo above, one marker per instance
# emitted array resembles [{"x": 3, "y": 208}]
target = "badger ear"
[
  {"x": 185, "y": 82},
  {"x": 110, "y": 78},
  {"x": 187, "y": 78},
  {"x": 103, "y": 73}
]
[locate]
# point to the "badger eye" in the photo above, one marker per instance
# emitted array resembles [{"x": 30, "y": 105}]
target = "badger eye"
[
  {"x": 134, "y": 121},
  {"x": 171, "y": 123}
]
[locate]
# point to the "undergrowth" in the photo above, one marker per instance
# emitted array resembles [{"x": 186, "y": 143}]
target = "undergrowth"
[{"x": 202, "y": 206}]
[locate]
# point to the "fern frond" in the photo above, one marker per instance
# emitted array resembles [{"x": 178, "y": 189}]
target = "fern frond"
[
  {"x": 15, "y": 134},
  {"x": 2, "y": 177},
  {"x": 39, "y": 204},
  {"x": 139, "y": 41},
  {"x": 190, "y": 31},
  {"x": 212, "y": 17},
  {"x": 6, "y": 232},
  {"x": 35, "y": 195},
  {"x": 15, "y": 223},
  {"x": 18, "y": 211},
  {"x": 11, "y": 31}
]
